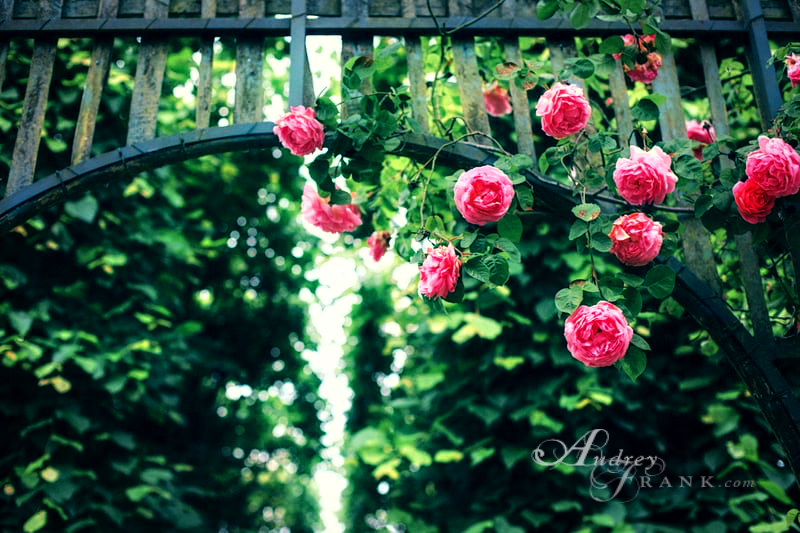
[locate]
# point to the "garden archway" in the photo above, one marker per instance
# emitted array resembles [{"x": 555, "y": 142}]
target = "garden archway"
[{"x": 755, "y": 358}]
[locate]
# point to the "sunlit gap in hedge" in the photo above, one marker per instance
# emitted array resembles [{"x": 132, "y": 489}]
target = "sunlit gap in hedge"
[{"x": 340, "y": 268}]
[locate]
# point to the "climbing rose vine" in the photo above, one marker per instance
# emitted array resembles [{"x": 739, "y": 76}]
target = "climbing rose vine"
[{"x": 418, "y": 210}]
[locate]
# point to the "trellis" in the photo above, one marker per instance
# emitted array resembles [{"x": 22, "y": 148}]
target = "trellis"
[{"x": 755, "y": 356}]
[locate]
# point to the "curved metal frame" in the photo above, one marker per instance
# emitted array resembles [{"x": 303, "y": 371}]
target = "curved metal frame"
[{"x": 752, "y": 361}]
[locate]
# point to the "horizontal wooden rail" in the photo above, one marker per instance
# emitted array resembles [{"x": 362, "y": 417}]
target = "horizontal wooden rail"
[{"x": 264, "y": 26}]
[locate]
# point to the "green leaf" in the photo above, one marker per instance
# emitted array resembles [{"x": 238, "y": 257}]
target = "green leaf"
[
  {"x": 644, "y": 110},
  {"x": 84, "y": 209},
  {"x": 481, "y": 527},
  {"x": 498, "y": 269},
  {"x": 775, "y": 490},
  {"x": 601, "y": 242},
  {"x": 327, "y": 112},
  {"x": 582, "y": 14},
  {"x": 546, "y": 9},
  {"x": 568, "y": 300},
  {"x": 639, "y": 342},
  {"x": 35, "y": 522},
  {"x": 477, "y": 269},
  {"x": 509, "y": 363},
  {"x": 660, "y": 281},
  {"x": 586, "y": 212},
  {"x": 510, "y": 227},
  {"x": 468, "y": 239},
  {"x": 703, "y": 204},
  {"x": 583, "y": 68},
  {"x": 688, "y": 167},
  {"x": 524, "y": 196},
  {"x": 612, "y": 45},
  {"x": 663, "y": 42},
  {"x": 578, "y": 228},
  {"x": 480, "y": 454},
  {"x": 630, "y": 279},
  {"x": 341, "y": 198},
  {"x": 508, "y": 247},
  {"x": 448, "y": 456},
  {"x": 633, "y": 364},
  {"x": 20, "y": 321}
]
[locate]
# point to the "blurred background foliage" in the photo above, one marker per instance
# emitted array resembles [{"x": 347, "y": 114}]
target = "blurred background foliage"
[{"x": 151, "y": 334}]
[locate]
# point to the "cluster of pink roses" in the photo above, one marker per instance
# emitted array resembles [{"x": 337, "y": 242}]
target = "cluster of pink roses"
[
  {"x": 773, "y": 171},
  {"x": 599, "y": 335},
  {"x": 647, "y": 71},
  {"x": 482, "y": 195}
]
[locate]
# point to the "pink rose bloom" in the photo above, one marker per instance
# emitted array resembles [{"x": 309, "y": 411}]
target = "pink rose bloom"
[
  {"x": 702, "y": 132},
  {"x": 378, "y": 244},
  {"x": 753, "y": 203},
  {"x": 636, "y": 239},
  {"x": 564, "y": 110},
  {"x": 299, "y": 131},
  {"x": 793, "y": 69},
  {"x": 645, "y": 177},
  {"x": 483, "y": 195},
  {"x": 438, "y": 274},
  {"x": 645, "y": 72},
  {"x": 775, "y": 166},
  {"x": 318, "y": 212},
  {"x": 598, "y": 335},
  {"x": 496, "y": 100}
]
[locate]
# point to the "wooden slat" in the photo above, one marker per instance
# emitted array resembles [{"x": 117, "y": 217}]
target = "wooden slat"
[
  {"x": 5, "y": 12},
  {"x": 519, "y": 97},
  {"x": 465, "y": 63},
  {"x": 329, "y": 8},
  {"x": 203, "y": 111},
  {"x": 397, "y": 8},
  {"x": 249, "y": 68},
  {"x": 149, "y": 78},
  {"x": 621, "y": 103},
  {"x": 26, "y": 146},
  {"x": 297, "y": 54},
  {"x": 95, "y": 82},
  {"x": 758, "y": 51},
  {"x": 748, "y": 259},
  {"x": 416, "y": 72},
  {"x": 309, "y": 94},
  {"x": 696, "y": 241}
]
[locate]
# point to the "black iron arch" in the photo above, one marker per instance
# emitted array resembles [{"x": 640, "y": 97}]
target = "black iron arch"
[{"x": 754, "y": 362}]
